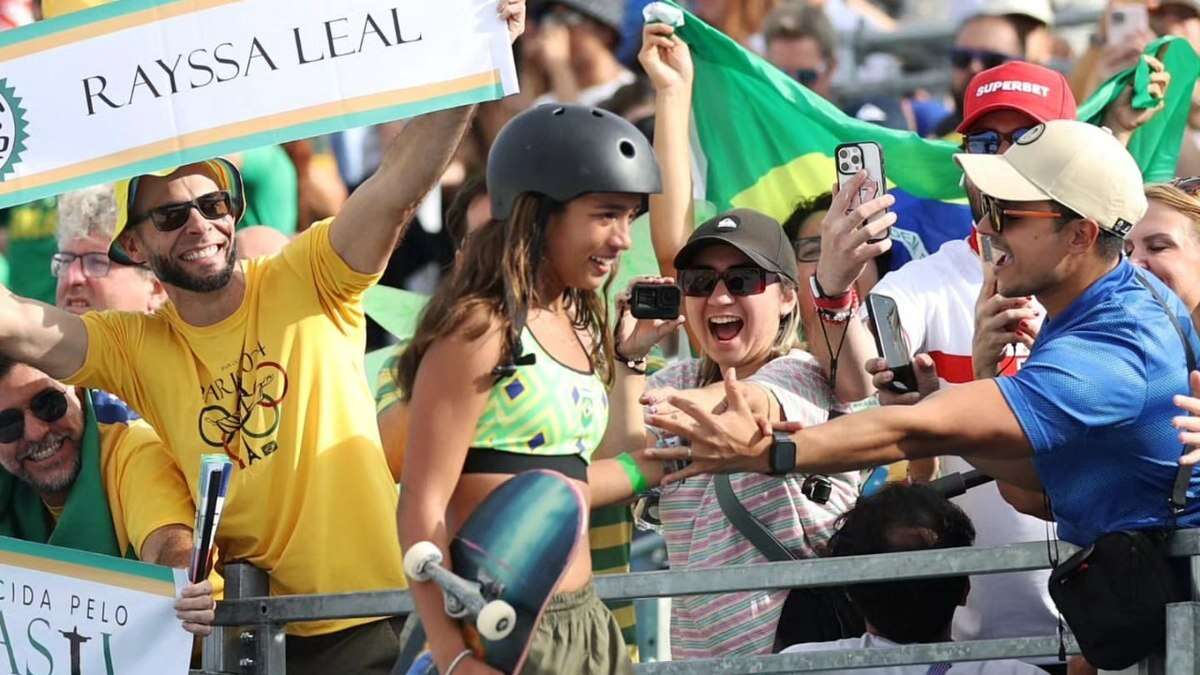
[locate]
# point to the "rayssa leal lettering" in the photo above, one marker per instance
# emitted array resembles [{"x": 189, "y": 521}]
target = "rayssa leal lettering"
[{"x": 205, "y": 66}]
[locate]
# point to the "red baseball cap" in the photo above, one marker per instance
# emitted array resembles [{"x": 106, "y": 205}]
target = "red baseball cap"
[{"x": 1039, "y": 92}]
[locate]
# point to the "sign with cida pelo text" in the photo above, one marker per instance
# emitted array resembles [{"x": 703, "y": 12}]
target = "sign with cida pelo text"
[
  {"x": 138, "y": 85},
  {"x": 79, "y": 613}
]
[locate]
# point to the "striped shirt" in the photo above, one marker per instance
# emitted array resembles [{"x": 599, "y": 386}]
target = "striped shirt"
[{"x": 698, "y": 534}]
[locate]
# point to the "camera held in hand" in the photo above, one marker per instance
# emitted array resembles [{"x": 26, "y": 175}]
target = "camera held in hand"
[{"x": 655, "y": 301}]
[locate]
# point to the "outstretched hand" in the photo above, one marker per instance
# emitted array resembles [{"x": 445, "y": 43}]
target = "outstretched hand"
[
  {"x": 636, "y": 337},
  {"x": 846, "y": 235},
  {"x": 733, "y": 441},
  {"x": 1122, "y": 118}
]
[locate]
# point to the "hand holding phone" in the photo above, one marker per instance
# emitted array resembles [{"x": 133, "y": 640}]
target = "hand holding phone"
[
  {"x": 1125, "y": 21},
  {"x": 889, "y": 339},
  {"x": 866, "y": 156}
]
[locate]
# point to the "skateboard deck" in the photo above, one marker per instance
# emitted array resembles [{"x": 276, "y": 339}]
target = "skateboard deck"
[{"x": 516, "y": 546}]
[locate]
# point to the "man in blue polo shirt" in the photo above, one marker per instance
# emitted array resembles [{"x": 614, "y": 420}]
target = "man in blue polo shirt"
[{"x": 1087, "y": 419}]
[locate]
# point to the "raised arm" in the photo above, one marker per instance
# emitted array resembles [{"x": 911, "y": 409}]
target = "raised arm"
[
  {"x": 373, "y": 219},
  {"x": 668, "y": 62},
  {"x": 948, "y": 423},
  {"x": 842, "y": 347},
  {"x": 45, "y": 337}
]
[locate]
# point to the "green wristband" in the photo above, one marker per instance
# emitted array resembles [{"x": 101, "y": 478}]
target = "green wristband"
[{"x": 634, "y": 472}]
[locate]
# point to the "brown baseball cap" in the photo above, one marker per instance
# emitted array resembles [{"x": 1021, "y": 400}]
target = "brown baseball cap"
[{"x": 757, "y": 235}]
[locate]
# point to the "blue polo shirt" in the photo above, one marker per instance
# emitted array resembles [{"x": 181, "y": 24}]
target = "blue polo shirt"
[{"x": 1094, "y": 400}]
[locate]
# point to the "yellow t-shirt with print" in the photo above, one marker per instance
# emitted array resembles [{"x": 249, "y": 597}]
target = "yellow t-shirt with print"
[{"x": 279, "y": 387}]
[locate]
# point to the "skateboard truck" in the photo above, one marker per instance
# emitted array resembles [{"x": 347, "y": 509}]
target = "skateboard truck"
[{"x": 495, "y": 619}]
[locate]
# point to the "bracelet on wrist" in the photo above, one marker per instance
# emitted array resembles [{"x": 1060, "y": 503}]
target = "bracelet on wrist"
[
  {"x": 823, "y": 299},
  {"x": 634, "y": 472},
  {"x": 462, "y": 656},
  {"x": 636, "y": 365}
]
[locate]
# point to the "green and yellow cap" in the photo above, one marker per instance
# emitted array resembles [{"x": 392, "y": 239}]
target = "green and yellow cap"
[{"x": 223, "y": 172}]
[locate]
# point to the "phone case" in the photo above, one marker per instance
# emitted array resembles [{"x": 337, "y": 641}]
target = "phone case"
[
  {"x": 891, "y": 342},
  {"x": 850, "y": 158},
  {"x": 1126, "y": 20}
]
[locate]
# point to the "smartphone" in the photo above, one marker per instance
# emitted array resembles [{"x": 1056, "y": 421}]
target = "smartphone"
[
  {"x": 850, "y": 158},
  {"x": 890, "y": 340},
  {"x": 985, "y": 249},
  {"x": 655, "y": 301},
  {"x": 1125, "y": 21}
]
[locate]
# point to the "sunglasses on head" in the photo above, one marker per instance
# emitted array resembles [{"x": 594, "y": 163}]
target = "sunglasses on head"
[
  {"x": 962, "y": 58},
  {"x": 48, "y": 406},
  {"x": 999, "y": 216},
  {"x": 171, "y": 217},
  {"x": 988, "y": 142},
  {"x": 742, "y": 281},
  {"x": 1188, "y": 184}
]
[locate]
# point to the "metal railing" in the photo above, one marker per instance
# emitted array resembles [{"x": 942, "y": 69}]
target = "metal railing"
[{"x": 250, "y": 639}]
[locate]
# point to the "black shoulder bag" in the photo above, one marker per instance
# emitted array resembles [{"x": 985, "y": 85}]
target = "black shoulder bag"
[
  {"x": 809, "y": 614},
  {"x": 1114, "y": 593}
]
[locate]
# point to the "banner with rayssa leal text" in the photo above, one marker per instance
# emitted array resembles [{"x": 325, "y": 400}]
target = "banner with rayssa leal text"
[
  {"x": 78, "y": 613},
  {"x": 139, "y": 85}
]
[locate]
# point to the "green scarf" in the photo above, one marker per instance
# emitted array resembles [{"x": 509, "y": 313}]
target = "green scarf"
[
  {"x": 1155, "y": 145},
  {"x": 86, "y": 521}
]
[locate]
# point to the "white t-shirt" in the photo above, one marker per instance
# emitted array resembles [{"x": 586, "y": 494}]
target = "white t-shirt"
[
  {"x": 868, "y": 641},
  {"x": 936, "y": 300}
]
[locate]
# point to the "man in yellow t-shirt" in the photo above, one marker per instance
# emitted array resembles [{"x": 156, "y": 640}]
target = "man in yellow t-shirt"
[
  {"x": 79, "y": 470},
  {"x": 262, "y": 360}
]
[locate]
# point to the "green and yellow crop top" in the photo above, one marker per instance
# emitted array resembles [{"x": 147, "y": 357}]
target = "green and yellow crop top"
[{"x": 547, "y": 416}]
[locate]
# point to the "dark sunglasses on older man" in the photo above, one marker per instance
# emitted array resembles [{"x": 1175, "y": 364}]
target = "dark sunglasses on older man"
[
  {"x": 700, "y": 282},
  {"x": 49, "y": 406},
  {"x": 171, "y": 217},
  {"x": 988, "y": 142},
  {"x": 1000, "y": 216}
]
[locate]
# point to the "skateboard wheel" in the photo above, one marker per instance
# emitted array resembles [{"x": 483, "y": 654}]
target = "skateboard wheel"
[
  {"x": 496, "y": 620},
  {"x": 419, "y": 557}
]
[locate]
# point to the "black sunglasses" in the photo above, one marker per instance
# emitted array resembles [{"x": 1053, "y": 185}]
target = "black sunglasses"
[
  {"x": 999, "y": 216},
  {"x": 961, "y": 58},
  {"x": 171, "y": 217},
  {"x": 988, "y": 142},
  {"x": 700, "y": 282},
  {"x": 49, "y": 406}
]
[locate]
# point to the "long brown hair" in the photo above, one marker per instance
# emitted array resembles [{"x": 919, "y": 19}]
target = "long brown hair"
[{"x": 480, "y": 289}]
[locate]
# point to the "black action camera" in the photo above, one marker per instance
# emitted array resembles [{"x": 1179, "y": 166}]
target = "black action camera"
[{"x": 655, "y": 301}]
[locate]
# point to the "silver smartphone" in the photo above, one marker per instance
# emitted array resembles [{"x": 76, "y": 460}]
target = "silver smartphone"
[{"x": 850, "y": 158}]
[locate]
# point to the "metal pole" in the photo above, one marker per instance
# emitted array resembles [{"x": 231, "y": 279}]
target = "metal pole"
[
  {"x": 270, "y": 653},
  {"x": 225, "y": 650},
  {"x": 1183, "y": 627}
]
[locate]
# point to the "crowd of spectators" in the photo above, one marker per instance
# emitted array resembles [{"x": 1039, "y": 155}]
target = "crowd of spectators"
[{"x": 771, "y": 333}]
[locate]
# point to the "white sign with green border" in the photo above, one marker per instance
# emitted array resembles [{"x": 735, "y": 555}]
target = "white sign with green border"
[
  {"x": 74, "y": 612},
  {"x": 139, "y": 85}
]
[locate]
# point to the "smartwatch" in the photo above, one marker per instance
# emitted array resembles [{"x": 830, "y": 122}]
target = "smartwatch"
[{"x": 782, "y": 458}]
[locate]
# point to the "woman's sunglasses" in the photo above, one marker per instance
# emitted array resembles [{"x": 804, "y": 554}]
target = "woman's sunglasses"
[
  {"x": 171, "y": 217},
  {"x": 1189, "y": 185},
  {"x": 742, "y": 281},
  {"x": 49, "y": 406}
]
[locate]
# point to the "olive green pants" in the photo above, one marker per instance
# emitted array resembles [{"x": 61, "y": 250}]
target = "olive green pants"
[{"x": 577, "y": 634}]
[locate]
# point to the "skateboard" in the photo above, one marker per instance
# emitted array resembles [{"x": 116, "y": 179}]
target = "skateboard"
[{"x": 507, "y": 560}]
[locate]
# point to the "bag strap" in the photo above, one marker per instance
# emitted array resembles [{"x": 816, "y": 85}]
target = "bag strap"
[
  {"x": 750, "y": 527},
  {"x": 1183, "y": 477}
]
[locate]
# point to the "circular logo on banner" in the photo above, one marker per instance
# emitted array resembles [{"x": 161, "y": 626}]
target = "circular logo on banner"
[
  {"x": 12, "y": 129},
  {"x": 1032, "y": 135}
]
